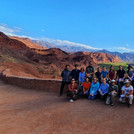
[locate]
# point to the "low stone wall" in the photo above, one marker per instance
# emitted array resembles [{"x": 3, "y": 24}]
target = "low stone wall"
[{"x": 50, "y": 85}]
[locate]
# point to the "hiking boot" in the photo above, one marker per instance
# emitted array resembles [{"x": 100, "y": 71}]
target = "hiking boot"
[{"x": 112, "y": 104}]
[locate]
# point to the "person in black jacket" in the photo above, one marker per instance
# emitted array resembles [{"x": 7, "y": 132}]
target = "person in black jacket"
[
  {"x": 65, "y": 78},
  {"x": 75, "y": 73},
  {"x": 90, "y": 71}
]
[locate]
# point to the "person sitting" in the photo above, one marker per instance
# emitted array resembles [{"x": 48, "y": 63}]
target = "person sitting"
[
  {"x": 86, "y": 87},
  {"x": 104, "y": 73},
  {"x": 111, "y": 74},
  {"x": 112, "y": 93},
  {"x": 98, "y": 74},
  {"x": 127, "y": 92},
  {"x": 72, "y": 90},
  {"x": 75, "y": 73},
  {"x": 103, "y": 90},
  {"x": 94, "y": 88}
]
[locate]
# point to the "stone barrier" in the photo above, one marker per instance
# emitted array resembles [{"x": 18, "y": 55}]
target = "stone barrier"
[{"x": 50, "y": 85}]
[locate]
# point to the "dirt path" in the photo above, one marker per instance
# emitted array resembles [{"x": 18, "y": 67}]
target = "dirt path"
[{"x": 24, "y": 111}]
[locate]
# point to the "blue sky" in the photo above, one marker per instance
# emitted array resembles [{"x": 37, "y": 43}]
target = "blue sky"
[{"x": 106, "y": 24}]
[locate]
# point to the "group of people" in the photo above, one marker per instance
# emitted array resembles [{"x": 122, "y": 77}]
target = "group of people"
[{"x": 102, "y": 84}]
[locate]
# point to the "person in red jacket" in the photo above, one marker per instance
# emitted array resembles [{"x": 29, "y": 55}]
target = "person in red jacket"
[
  {"x": 86, "y": 88},
  {"x": 72, "y": 90}
]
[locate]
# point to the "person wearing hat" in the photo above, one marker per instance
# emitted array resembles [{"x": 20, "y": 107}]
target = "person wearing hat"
[
  {"x": 127, "y": 92},
  {"x": 112, "y": 93},
  {"x": 90, "y": 71}
]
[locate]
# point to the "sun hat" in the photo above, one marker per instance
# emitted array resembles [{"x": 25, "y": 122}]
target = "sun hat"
[
  {"x": 126, "y": 81},
  {"x": 130, "y": 66},
  {"x": 112, "y": 81}
]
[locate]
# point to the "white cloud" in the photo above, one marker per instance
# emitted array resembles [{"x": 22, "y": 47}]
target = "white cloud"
[
  {"x": 9, "y": 30},
  {"x": 122, "y": 49},
  {"x": 68, "y": 43}
]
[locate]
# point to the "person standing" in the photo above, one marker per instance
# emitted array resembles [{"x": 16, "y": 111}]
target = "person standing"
[
  {"x": 111, "y": 74},
  {"x": 90, "y": 72},
  {"x": 82, "y": 76},
  {"x": 98, "y": 74},
  {"x": 75, "y": 73},
  {"x": 130, "y": 73},
  {"x": 65, "y": 78},
  {"x": 104, "y": 73},
  {"x": 120, "y": 78}
]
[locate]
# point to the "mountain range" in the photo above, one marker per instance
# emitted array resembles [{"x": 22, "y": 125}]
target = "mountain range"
[
  {"x": 27, "y": 58},
  {"x": 126, "y": 57}
]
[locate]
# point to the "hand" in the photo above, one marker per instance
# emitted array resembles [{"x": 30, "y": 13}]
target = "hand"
[
  {"x": 126, "y": 95},
  {"x": 88, "y": 75}
]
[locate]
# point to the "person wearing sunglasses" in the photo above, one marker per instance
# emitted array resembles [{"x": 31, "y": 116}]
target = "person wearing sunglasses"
[{"x": 72, "y": 92}]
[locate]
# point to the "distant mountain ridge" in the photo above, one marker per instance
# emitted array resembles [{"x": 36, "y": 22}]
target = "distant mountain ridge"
[
  {"x": 127, "y": 57},
  {"x": 67, "y": 48},
  {"x": 39, "y": 44}
]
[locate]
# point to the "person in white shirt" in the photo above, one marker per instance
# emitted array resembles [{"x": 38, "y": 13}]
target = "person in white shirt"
[{"x": 127, "y": 92}]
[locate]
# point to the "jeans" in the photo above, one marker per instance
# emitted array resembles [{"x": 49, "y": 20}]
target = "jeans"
[
  {"x": 72, "y": 95},
  {"x": 86, "y": 94},
  {"x": 120, "y": 85},
  {"x": 90, "y": 97}
]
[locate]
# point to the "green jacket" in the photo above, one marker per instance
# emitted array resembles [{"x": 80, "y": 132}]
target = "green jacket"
[{"x": 112, "y": 88}]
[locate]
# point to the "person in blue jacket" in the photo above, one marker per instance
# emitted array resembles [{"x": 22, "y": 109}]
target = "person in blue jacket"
[
  {"x": 82, "y": 76},
  {"x": 94, "y": 88},
  {"x": 103, "y": 90}
]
